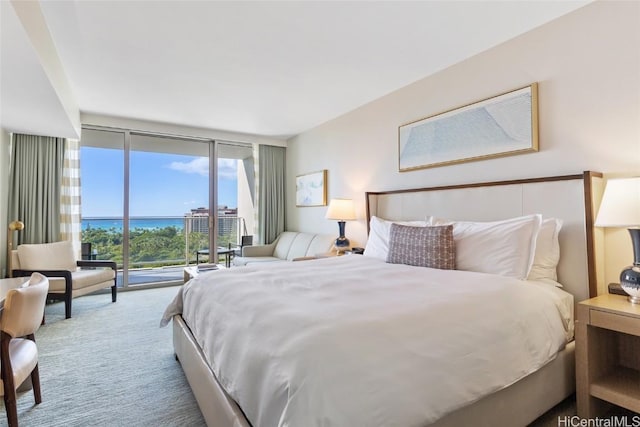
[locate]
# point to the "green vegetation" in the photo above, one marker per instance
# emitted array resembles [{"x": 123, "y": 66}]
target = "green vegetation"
[{"x": 149, "y": 248}]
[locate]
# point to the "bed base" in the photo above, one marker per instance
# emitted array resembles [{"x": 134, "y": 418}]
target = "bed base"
[
  {"x": 519, "y": 404},
  {"x": 217, "y": 407}
]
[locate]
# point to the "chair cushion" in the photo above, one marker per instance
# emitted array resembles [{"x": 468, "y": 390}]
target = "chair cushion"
[
  {"x": 24, "y": 357},
  {"x": 241, "y": 260},
  {"x": 285, "y": 240},
  {"x": 300, "y": 245},
  {"x": 321, "y": 244},
  {"x": 47, "y": 256},
  {"x": 82, "y": 279}
]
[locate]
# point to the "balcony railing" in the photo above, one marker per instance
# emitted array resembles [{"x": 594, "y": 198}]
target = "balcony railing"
[{"x": 158, "y": 241}]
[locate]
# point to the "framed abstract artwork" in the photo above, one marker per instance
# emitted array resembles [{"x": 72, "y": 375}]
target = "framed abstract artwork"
[
  {"x": 311, "y": 189},
  {"x": 502, "y": 125}
]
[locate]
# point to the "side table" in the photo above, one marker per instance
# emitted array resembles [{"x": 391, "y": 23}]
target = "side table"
[
  {"x": 607, "y": 355},
  {"x": 193, "y": 270}
]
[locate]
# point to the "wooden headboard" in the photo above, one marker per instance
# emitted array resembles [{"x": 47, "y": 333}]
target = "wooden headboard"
[{"x": 572, "y": 198}]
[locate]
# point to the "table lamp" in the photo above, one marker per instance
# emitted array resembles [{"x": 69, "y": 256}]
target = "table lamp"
[
  {"x": 13, "y": 226},
  {"x": 341, "y": 210},
  {"x": 620, "y": 207}
]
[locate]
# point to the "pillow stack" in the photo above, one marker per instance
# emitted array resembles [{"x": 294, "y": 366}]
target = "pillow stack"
[{"x": 525, "y": 247}]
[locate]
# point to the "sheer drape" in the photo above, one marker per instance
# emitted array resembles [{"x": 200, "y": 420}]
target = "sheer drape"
[
  {"x": 271, "y": 192},
  {"x": 34, "y": 187},
  {"x": 70, "y": 214}
]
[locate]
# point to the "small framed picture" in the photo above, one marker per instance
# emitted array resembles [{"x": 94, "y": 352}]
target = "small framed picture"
[{"x": 311, "y": 189}]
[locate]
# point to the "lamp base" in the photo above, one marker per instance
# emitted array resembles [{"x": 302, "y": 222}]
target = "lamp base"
[
  {"x": 630, "y": 283},
  {"x": 341, "y": 244}
]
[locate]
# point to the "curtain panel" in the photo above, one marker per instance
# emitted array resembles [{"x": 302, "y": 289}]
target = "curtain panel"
[
  {"x": 70, "y": 213},
  {"x": 271, "y": 192},
  {"x": 35, "y": 180}
]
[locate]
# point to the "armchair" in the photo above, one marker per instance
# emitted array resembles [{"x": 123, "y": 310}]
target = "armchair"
[
  {"x": 67, "y": 278},
  {"x": 21, "y": 317}
]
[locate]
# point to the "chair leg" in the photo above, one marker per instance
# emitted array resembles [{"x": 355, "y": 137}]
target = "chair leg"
[
  {"x": 7, "y": 380},
  {"x": 35, "y": 382},
  {"x": 67, "y": 306},
  {"x": 11, "y": 407},
  {"x": 114, "y": 293}
]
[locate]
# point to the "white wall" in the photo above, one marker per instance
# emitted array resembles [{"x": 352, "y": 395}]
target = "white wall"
[
  {"x": 4, "y": 195},
  {"x": 587, "y": 64}
]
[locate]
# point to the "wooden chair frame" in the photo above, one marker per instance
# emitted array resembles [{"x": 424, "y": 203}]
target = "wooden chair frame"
[
  {"x": 10, "y": 398},
  {"x": 67, "y": 296}
]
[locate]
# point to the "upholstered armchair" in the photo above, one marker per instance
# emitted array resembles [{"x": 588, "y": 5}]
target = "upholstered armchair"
[
  {"x": 68, "y": 276},
  {"x": 21, "y": 318}
]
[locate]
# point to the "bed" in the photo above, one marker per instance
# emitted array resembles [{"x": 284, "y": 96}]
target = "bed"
[{"x": 355, "y": 342}]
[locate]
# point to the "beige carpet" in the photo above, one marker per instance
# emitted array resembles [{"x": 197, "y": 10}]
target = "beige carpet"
[{"x": 109, "y": 365}]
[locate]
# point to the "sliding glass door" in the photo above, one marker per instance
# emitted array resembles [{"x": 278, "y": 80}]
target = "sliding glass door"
[
  {"x": 149, "y": 202},
  {"x": 168, "y": 206}
]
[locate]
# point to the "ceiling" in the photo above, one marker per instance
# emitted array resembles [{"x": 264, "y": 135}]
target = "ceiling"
[{"x": 267, "y": 68}]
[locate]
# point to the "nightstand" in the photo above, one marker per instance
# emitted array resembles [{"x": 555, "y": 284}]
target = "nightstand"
[{"x": 607, "y": 355}]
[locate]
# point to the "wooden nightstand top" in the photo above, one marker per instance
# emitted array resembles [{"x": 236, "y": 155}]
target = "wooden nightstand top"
[{"x": 616, "y": 304}]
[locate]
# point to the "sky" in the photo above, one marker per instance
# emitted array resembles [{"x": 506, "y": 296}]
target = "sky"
[{"x": 160, "y": 184}]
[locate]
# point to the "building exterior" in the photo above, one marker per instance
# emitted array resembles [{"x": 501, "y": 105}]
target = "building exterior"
[{"x": 197, "y": 221}]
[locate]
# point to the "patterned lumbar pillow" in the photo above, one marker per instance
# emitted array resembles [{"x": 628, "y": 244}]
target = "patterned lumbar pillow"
[{"x": 432, "y": 247}]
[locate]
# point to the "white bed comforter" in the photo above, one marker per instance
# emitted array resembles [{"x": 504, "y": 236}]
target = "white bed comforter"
[{"x": 352, "y": 341}]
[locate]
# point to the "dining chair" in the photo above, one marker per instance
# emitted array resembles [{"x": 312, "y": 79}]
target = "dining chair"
[{"x": 21, "y": 317}]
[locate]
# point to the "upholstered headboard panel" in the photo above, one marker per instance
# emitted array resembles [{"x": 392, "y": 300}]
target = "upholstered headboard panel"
[{"x": 571, "y": 198}]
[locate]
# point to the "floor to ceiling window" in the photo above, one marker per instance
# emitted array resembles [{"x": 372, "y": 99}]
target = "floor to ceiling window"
[
  {"x": 168, "y": 206},
  {"x": 164, "y": 202},
  {"x": 102, "y": 195}
]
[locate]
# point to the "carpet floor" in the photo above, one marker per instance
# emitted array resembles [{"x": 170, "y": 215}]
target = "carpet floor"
[{"x": 109, "y": 365}]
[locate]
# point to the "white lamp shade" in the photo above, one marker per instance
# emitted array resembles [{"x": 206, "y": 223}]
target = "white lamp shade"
[
  {"x": 620, "y": 205},
  {"x": 341, "y": 210}
]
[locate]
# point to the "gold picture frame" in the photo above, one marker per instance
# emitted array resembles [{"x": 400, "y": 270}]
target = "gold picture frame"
[
  {"x": 311, "y": 189},
  {"x": 502, "y": 125}
]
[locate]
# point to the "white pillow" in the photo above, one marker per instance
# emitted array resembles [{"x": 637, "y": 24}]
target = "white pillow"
[
  {"x": 506, "y": 248},
  {"x": 47, "y": 256},
  {"x": 547, "y": 255},
  {"x": 378, "y": 242}
]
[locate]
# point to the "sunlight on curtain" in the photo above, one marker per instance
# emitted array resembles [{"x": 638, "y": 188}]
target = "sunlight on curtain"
[
  {"x": 70, "y": 214},
  {"x": 35, "y": 179}
]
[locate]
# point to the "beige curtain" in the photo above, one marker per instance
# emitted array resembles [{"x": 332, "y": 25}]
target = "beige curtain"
[
  {"x": 35, "y": 180},
  {"x": 70, "y": 213},
  {"x": 271, "y": 192}
]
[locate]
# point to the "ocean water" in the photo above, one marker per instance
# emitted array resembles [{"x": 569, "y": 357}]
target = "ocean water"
[{"x": 147, "y": 223}]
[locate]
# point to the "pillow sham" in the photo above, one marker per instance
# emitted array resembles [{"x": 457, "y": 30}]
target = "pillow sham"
[
  {"x": 505, "y": 248},
  {"x": 378, "y": 242},
  {"x": 432, "y": 246},
  {"x": 547, "y": 254}
]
